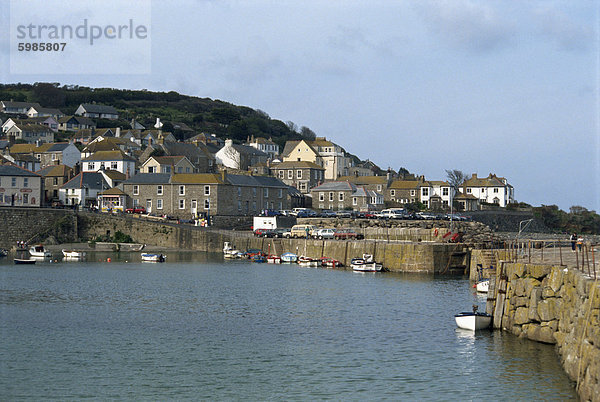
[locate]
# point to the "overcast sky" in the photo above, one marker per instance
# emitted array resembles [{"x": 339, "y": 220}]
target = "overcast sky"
[{"x": 507, "y": 87}]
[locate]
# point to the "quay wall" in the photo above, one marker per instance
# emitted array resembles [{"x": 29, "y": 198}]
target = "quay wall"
[
  {"x": 429, "y": 258},
  {"x": 37, "y": 224},
  {"x": 554, "y": 305}
]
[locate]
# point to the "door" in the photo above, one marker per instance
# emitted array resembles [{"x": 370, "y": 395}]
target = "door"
[
  {"x": 194, "y": 208},
  {"x": 148, "y": 206}
]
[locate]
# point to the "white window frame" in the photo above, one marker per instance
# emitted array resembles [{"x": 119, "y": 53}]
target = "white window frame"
[
  {"x": 182, "y": 203},
  {"x": 298, "y": 174},
  {"x": 159, "y": 190},
  {"x": 322, "y": 197},
  {"x": 206, "y": 190},
  {"x": 136, "y": 189},
  {"x": 182, "y": 190},
  {"x": 159, "y": 203}
]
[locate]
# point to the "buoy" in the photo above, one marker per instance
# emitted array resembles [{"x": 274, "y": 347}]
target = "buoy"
[
  {"x": 435, "y": 232},
  {"x": 108, "y": 260}
]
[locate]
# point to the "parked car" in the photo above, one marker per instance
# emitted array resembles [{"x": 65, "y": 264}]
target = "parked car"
[
  {"x": 347, "y": 234},
  {"x": 269, "y": 212},
  {"x": 344, "y": 214},
  {"x": 323, "y": 234},
  {"x": 281, "y": 232},
  {"x": 285, "y": 212},
  {"x": 306, "y": 213},
  {"x": 392, "y": 213},
  {"x": 328, "y": 213},
  {"x": 261, "y": 232},
  {"x": 136, "y": 210},
  {"x": 426, "y": 215},
  {"x": 301, "y": 231}
]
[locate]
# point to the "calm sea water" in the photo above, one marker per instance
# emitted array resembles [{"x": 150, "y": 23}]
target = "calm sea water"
[{"x": 199, "y": 328}]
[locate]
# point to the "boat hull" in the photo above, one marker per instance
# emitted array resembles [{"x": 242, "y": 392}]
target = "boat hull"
[
  {"x": 473, "y": 321},
  {"x": 483, "y": 286},
  {"x": 73, "y": 255},
  {"x": 289, "y": 257},
  {"x": 23, "y": 261},
  {"x": 153, "y": 257}
]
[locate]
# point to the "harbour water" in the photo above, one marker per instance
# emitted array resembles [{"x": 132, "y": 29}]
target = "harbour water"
[{"x": 197, "y": 328}]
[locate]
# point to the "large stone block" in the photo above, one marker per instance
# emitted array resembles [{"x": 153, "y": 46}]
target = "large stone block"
[
  {"x": 556, "y": 279},
  {"x": 520, "y": 301},
  {"x": 539, "y": 333},
  {"x": 521, "y": 316},
  {"x": 539, "y": 271},
  {"x": 548, "y": 309}
]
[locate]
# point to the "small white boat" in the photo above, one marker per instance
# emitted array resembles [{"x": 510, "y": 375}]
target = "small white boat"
[
  {"x": 308, "y": 262},
  {"x": 148, "y": 257},
  {"x": 230, "y": 252},
  {"x": 273, "y": 259},
  {"x": 365, "y": 264},
  {"x": 473, "y": 320},
  {"x": 73, "y": 255},
  {"x": 39, "y": 252},
  {"x": 482, "y": 286},
  {"x": 24, "y": 261},
  {"x": 289, "y": 257}
]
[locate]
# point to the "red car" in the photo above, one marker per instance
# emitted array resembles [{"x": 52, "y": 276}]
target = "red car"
[
  {"x": 136, "y": 210},
  {"x": 347, "y": 234}
]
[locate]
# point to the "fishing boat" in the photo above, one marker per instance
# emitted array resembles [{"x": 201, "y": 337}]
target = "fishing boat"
[
  {"x": 39, "y": 251},
  {"x": 304, "y": 261},
  {"x": 230, "y": 252},
  {"x": 331, "y": 263},
  {"x": 483, "y": 285},
  {"x": 365, "y": 264},
  {"x": 148, "y": 257},
  {"x": 73, "y": 255},
  {"x": 289, "y": 257},
  {"x": 473, "y": 320},
  {"x": 273, "y": 259},
  {"x": 24, "y": 261},
  {"x": 258, "y": 258}
]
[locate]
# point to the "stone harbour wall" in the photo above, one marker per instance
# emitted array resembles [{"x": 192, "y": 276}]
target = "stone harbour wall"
[
  {"x": 553, "y": 305},
  {"x": 35, "y": 225}
]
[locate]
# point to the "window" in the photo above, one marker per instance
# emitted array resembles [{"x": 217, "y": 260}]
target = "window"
[
  {"x": 445, "y": 191},
  {"x": 206, "y": 203},
  {"x": 151, "y": 169},
  {"x": 101, "y": 165},
  {"x": 55, "y": 181},
  {"x": 187, "y": 169},
  {"x": 280, "y": 193},
  {"x": 136, "y": 190},
  {"x": 341, "y": 196},
  {"x": 393, "y": 193},
  {"x": 91, "y": 166},
  {"x": 316, "y": 174},
  {"x": 54, "y": 157},
  {"x": 113, "y": 165},
  {"x": 167, "y": 169},
  {"x": 265, "y": 192},
  {"x": 354, "y": 201},
  {"x": 281, "y": 174},
  {"x": 495, "y": 189},
  {"x": 321, "y": 196},
  {"x": 254, "y": 205},
  {"x": 25, "y": 182},
  {"x": 413, "y": 193},
  {"x": 181, "y": 204},
  {"x": 179, "y": 169},
  {"x": 298, "y": 174},
  {"x": 468, "y": 191},
  {"x": 159, "y": 203},
  {"x": 290, "y": 174},
  {"x": 159, "y": 190},
  {"x": 239, "y": 205},
  {"x": 425, "y": 192},
  {"x": 254, "y": 192},
  {"x": 331, "y": 196},
  {"x": 181, "y": 190},
  {"x": 13, "y": 182},
  {"x": 239, "y": 191},
  {"x": 206, "y": 190},
  {"x": 302, "y": 186},
  {"x": 379, "y": 187}
]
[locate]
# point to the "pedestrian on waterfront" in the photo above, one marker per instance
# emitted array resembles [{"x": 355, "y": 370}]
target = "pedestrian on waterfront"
[
  {"x": 579, "y": 242},
  {"x": 573, "y": 239}
]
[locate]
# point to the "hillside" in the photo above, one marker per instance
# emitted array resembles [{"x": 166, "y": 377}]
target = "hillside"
[{"x": 200, "y": 114}]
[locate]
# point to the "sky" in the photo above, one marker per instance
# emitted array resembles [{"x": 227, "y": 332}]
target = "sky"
[{"x": 504, "y": 87}]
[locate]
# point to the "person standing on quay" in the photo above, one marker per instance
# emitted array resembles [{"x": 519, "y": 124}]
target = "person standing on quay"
[
  {"x": 573, "y": 239},
  {"x": 579, "y": 242}
]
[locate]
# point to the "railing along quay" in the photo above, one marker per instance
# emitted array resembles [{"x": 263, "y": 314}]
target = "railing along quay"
[{"x": 559, "y": 252}]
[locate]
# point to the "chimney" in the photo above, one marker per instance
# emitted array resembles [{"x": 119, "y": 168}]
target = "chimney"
[
  {"x": 224, "y": 175},
  {"x": 228, "y": 143},
  {"x": 118, "y": 133},
  {"x": 474, "y": 176}
]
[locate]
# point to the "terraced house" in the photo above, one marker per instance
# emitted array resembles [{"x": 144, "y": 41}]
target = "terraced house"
[
  {"x": 322, "y": 152},
  {"x": 491, "y": 189},
  {"x": 300, "y": 174},
  {"x": 186, "y": 196},
  {"x": 342, "y": 195},
  {"x": 20, "y": 187}
]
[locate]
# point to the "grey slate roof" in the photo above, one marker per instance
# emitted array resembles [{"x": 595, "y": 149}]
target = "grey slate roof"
[
  {"x": 149, "y": 178},
  {"x": 12, "y": 170},
  {"x": 335, "y": 186},
  {"x": 57, "y": 147},
  {"x": 96, "y": 108},
  {"x": 92, "y": 180},
  {"x": 248, "y": 150},
  {"x": 255, "y": 181}
]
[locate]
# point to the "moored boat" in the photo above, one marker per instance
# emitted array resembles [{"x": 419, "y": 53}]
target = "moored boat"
[
  {"x": 365, "y": 264},
  {"x": 24, "y": 261},
  {"x": 289, "y": 257},
  {"x": 149, "y": 257},
  {"x": 482, "y": 286},
  {"x": 473, "y": 320},
  {"x": 230, "y": 252},
  {"x": 273, "y": 259},
  {"x": 258, "y": 258},
  {"x": 73, "y": 255},
  {"x": 331, "y": 263},
  {"x": 304, "y": 261},
  {"x": 39, "y": 251}
]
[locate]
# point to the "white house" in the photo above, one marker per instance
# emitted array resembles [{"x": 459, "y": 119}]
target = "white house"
[
  {"x": 264, "y": 145},
  {"x": 239, "y": 156},
  {"x": 16, "y": 107},
  {"x": 97, "y": 111},
  {"x": 435, "y": 189},
  {"x": 20, "y": 187},
  {"x": 36, "y": 111},
  {"x": 113, "y": 160},
  {"x": 83, "y": 189},
  {"x": 491, "y": 189}
]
